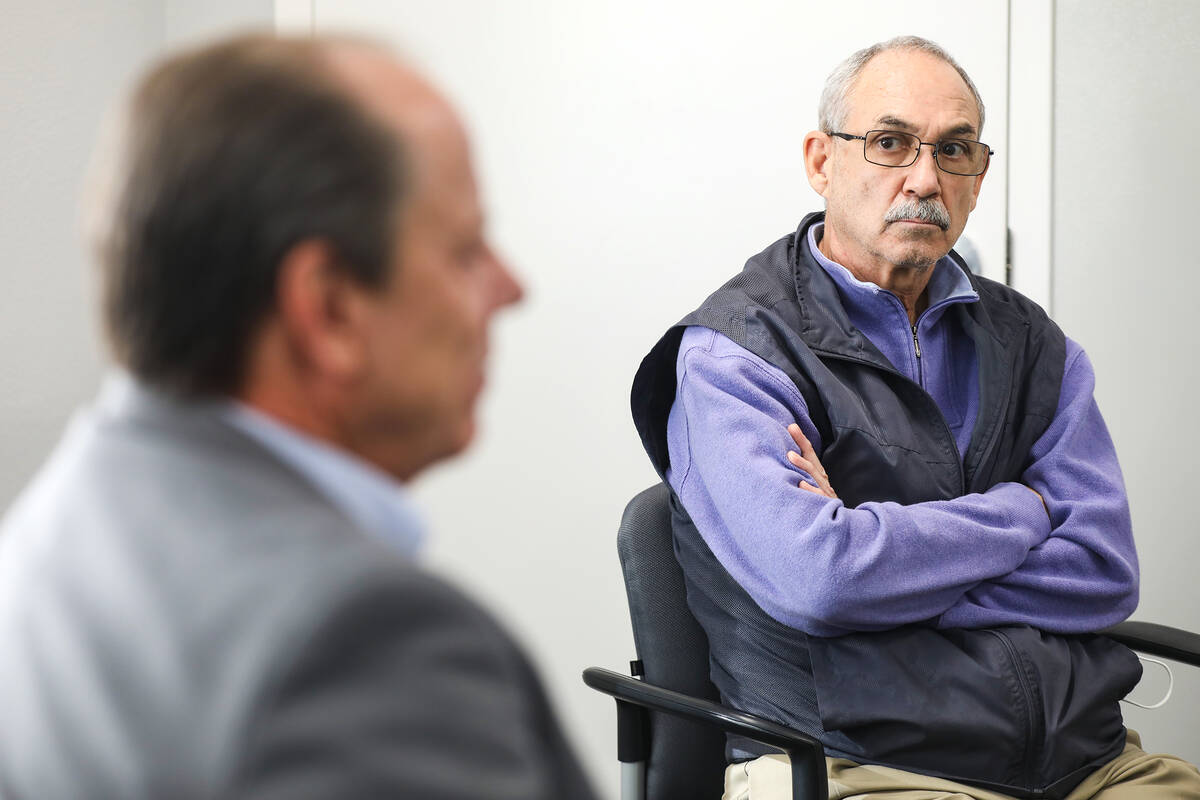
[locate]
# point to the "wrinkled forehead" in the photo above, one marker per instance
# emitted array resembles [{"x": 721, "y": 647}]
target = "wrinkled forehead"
[{"x": 913, "y": 91}]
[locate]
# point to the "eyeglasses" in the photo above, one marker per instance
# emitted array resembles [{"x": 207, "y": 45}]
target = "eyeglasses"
[{"x": 898, "y": 149}]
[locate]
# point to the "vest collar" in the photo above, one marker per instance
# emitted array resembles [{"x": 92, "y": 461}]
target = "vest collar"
[
  {"x": 824, "y": 288},
  {"x": 948, "y": 284}
]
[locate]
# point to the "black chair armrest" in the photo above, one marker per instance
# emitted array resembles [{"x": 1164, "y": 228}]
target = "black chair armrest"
[
  {"x": 806, "y": 753},
  {"x": 1157, "y": 640}
]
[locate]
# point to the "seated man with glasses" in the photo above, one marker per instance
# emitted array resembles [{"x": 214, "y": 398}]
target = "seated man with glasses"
[{"x": 896, "y": 505}]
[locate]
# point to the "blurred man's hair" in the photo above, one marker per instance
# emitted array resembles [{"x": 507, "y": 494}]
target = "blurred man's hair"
[{"x": 229, "y": 155}]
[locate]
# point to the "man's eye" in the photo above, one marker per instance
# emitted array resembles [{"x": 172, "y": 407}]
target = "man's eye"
[
  {"x": 888, "y": 143},
  {"x": 471, "y": 254},
  {"x": 952, "y": 149}
]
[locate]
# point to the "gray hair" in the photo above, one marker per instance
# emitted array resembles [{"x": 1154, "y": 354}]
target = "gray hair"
[{"x": 834, "y": 106}]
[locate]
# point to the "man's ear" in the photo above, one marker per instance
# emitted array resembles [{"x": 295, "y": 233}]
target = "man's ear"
[
  {"x": 322, "y": 310},
  {"x": 818, "y": 149}
]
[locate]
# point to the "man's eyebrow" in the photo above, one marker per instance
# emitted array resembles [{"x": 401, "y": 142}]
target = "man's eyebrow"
[
  {"x": 895, "y": 122},
  {"x": 964, "y": 129}
]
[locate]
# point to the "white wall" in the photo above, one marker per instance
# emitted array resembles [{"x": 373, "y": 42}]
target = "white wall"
[
  {"x": 61, "y": 64},
  {"x": 1124, "y": 269},
  {"x": 191, "y": 20}
]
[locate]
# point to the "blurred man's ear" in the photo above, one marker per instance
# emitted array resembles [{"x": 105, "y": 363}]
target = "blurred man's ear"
[
  {"x": 322, "y": 311},
  {"x": 817, "y": 152}
]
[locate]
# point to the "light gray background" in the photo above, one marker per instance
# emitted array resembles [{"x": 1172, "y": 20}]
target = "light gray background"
[
  {"x": 1126, "y": 206},
  {"x": 655, "y": 144}
]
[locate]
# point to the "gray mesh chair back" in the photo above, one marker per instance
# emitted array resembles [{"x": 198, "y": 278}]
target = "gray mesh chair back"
[{"x": 686, "y": 760}]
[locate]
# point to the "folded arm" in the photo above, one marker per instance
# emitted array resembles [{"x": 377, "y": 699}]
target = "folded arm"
[
  {"x": 807, "y": 559},
  {"x": 1084, "y": 577}
]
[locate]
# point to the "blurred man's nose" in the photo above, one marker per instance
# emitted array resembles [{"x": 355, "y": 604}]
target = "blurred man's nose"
[{"x": 506, "y": 289}]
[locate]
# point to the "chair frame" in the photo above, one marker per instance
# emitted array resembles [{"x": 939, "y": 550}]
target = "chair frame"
[{"x": 635, "y": 698}]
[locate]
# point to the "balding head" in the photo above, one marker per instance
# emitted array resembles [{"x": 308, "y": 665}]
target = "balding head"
[
  {"x": 230, "y": 155},
  {"x": 295, "y": 223},
  {"x": 404, "y": 102}
]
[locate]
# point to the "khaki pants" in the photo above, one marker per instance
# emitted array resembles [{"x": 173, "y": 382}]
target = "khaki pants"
[{"x": 1133, "y": 774}]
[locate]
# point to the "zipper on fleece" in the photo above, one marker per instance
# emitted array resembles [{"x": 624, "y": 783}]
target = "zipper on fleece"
[{"x": 917, "y": 347}]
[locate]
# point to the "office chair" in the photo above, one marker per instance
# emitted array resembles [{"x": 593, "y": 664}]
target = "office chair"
[
  {"x": 678, "y": 751},
  {"x": 670, "y": 725}
]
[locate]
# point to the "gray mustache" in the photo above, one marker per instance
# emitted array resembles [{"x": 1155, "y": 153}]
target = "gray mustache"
[{"x": 924, "y": 210}]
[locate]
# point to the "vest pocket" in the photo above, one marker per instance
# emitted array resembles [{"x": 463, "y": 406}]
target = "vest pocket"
[
  {"x": 945, "y": 703},
  {"x": 964, "y": 704}
]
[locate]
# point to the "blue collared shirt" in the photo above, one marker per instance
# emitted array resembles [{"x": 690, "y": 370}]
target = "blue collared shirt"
[{"x": 368, "y": 496}]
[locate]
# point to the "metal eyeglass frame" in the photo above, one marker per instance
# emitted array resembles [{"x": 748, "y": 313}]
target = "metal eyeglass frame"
[{"x": 917, "y": 150}]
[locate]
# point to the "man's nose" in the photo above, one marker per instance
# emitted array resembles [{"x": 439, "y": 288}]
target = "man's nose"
[
  {"x": 922, "y": 179},
  {"x": 506, "y": 289}
]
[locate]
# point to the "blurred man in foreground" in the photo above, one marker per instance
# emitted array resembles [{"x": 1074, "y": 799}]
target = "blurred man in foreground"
[{"x": 209, "y": 590}]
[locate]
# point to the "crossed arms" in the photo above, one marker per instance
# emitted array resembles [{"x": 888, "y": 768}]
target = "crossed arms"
[{"x": 1063, "y": 563}]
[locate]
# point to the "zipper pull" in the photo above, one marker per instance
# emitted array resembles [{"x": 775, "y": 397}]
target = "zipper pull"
[{"x": 916, "y": 341}]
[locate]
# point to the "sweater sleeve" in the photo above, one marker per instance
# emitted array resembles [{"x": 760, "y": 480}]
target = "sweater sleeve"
[
  {"x": 809, "y": 561},
  {"x": 1084, "y": 577}
]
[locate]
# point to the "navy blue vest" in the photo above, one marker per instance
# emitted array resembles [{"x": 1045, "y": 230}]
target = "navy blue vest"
[{"x": 1014, "y": 709}]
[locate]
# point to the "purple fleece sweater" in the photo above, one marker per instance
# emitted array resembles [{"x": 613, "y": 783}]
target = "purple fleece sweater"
[{"x": 981, "y": 560}]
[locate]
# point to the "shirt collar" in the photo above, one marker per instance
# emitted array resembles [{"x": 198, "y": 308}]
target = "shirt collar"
[
  {"x": 375, "y": 501},
  {"x": 948, "y": 284}
]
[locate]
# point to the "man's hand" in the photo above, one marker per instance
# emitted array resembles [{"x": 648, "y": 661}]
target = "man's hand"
[
  {"x": 807, "y": 460},
  {"x": 1039, "y": 494}
]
